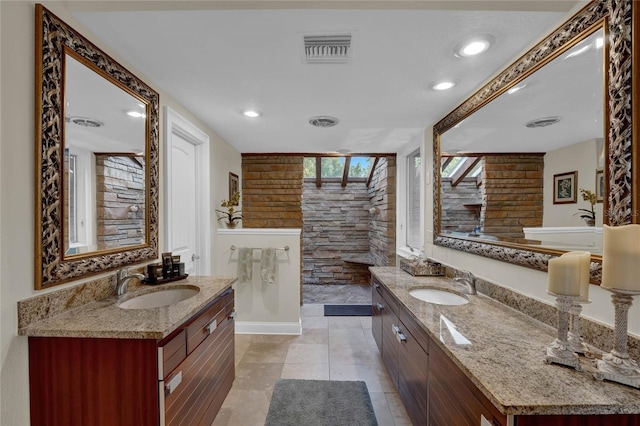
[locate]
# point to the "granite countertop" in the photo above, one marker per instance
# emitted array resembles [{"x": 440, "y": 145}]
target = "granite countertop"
[
  {"x": 104, "y": 319},
  {"x": 505, "y": 353}
]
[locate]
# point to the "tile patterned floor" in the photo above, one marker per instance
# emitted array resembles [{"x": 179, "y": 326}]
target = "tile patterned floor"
[{"x": 330, "y": 348}]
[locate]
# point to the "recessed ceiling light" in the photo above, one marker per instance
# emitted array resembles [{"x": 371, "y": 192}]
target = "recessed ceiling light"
[
  {"x": 442, "y": 85},
  {"x": 514, "y": 89},
  {"x": 134, "y": 113},
  {"x": 252, "y": 113},
  {"x": 474, "y": 46}
]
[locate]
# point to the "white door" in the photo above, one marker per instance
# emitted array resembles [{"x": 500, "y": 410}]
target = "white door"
[{"x": 187, "y": 194}]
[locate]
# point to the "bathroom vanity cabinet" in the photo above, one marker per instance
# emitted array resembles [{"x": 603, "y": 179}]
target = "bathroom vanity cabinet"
[
  {"x": 180, "y": 379},
  {"x": 439, "y": 388},
  {"x": 405, "y": 352}
]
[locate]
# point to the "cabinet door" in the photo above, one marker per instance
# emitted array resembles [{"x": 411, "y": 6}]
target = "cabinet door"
[
  {"x": 413, "y": 376},
  {"x": 376, "y": 314},
  {"x": 453, "y": 398},
  {"x": 390, "y": 325}
]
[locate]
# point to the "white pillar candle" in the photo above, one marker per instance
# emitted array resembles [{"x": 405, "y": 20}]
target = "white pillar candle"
[
  {"x": 621, "y": 257},
  {"x": 564, "y": 275},
  {"x": 585, "y": 272}
]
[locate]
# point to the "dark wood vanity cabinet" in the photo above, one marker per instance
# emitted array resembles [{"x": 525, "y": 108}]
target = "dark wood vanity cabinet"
[
  {"x": 453, "y": 399},
  {"x": 405, "y": 357},
  {"x": 182, "y": 379}
]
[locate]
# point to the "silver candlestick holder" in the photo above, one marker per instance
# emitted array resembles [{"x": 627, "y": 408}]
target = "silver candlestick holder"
[
  {"x": 560, "y": 351},
  {"x": 617, "y": 366},
  {"x": 575, "y": 339}
]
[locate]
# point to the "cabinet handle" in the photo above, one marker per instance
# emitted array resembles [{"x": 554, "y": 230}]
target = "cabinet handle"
[
  {"x": 401, "y": 337},
  {"x": 172, "y": 384},
  {"x": 376, "y": 285},
  {"x": 233, "y": 314},
  {"x": 212, "y": 326},
  {"x": 380, "y": 306},
  {"x": 395, "y": 329}
]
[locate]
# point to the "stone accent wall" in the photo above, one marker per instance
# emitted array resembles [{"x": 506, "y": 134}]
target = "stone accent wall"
[
  {"x": 272, "y": 191},
  {"x": 382, "y": 223},
  {"x": 454, "y": 216},
  {"x": 120, "y": 197},
  {"x": 513, "y": 196},
  {"x": 336, "y": 226}
]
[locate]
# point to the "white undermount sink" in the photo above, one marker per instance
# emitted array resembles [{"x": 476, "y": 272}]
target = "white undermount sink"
[
  {"x": 439, "y": 297},
  {"x": 156, "y": 299}
]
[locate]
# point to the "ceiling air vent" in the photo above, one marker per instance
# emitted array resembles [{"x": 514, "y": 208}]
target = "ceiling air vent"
[
  {"x": 327, "y": 48},
  {"x": 543, "y": 122},
  {"x": 85, "y": 121},
  {"x": 323, "y": 121}
]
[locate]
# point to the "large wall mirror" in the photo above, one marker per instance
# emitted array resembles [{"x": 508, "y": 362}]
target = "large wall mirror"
[
  {"x": 96, "y": 159},
  {"x": 511, "y": 161}
]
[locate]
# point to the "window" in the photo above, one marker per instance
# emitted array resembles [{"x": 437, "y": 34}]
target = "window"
[
  {"x": 332, "y": 168},
  {"x": 414, "y": 224}
]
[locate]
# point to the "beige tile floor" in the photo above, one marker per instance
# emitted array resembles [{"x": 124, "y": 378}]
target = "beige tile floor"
[{"x": 330, "y": 348}]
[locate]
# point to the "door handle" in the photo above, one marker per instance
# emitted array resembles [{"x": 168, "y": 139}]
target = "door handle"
[{"x": 194, "y": 257}]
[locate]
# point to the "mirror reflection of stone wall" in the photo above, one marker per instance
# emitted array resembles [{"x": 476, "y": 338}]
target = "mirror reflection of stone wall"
[{"x": 120, "y": 198}]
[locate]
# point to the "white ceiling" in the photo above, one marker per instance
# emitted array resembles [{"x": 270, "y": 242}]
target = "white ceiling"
[{"x": 217, "y": 62}]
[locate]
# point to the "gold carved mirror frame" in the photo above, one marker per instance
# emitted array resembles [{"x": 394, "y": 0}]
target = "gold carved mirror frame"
[
  {"x": 53, "y": 38},
  {"x": 621, "y": 168}
]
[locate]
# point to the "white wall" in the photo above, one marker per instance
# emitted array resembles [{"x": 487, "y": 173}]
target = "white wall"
[
  {"x": 583, "y": 158},
  {"x": 17, "y": 199},
  {"x": 264, "y": 308}
]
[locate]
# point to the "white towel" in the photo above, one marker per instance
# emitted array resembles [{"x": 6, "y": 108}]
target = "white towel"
[
  {"x": 268, "y": 265},
  {"x": 245, "y": 264}
]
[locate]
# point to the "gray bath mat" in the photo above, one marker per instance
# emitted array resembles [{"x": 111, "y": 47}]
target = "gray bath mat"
[{"x": 320, "y": 403}]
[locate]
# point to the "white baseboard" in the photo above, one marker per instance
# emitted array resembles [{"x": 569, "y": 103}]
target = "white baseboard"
[{"x": 249, "y": 327}]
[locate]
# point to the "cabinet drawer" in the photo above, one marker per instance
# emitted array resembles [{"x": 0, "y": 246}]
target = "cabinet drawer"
[
  {"x": 196, "y": 389},
  {"x": 173, "y": 352},
  {"x": 206, "y": 322}
]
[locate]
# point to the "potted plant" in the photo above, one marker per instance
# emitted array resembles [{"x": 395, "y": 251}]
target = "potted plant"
[
  {"x": 231, "y": 217},
  {"x": 589, "y": 215}
]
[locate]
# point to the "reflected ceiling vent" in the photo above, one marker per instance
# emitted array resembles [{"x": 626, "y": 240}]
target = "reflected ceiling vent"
[
  {"x": 543, "y": 122},
  {"x": 323, "y": 121},
  {"x": 327, "y": 48},
  {"x": 85, "y": 122}
]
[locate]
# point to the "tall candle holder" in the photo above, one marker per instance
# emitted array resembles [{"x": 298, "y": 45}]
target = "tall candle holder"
[
  {"x": 560, "y": 351},
  {"x": 617, "y": 366},
  {"x": 575, "y": 339}
]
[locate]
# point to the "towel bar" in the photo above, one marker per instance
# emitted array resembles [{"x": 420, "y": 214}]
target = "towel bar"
[{"x": 285, "y": 248}]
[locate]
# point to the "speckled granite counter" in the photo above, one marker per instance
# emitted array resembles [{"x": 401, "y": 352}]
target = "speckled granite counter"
[
  {"x": 505, "y": 355},
  {"x": 104, "y": 319}
]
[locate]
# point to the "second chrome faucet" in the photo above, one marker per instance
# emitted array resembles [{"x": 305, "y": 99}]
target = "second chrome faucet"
[{"x": 467, "y": 279}]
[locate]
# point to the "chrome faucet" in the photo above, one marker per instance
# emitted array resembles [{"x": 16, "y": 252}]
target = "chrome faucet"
[
  {"x": 467, "y": 279},
  {"x": 122, "y": 280}
]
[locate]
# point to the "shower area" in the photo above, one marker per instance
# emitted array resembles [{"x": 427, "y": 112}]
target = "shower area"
[{"x": 345, "y": 206}]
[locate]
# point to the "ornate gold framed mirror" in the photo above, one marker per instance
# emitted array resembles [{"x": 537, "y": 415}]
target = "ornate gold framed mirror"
[
  {"x": 96, "y": 137},
  {"x": 601, "y": 28}
]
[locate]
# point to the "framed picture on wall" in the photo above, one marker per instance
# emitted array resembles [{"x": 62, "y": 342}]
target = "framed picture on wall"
[
  {"x": 565, "y": 188},
  {"x": 599, "y": 185},
  {"x": 234, "y": 185}
]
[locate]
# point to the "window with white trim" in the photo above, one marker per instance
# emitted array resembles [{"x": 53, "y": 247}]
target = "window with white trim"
[{"x": 414, "y": 228}]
